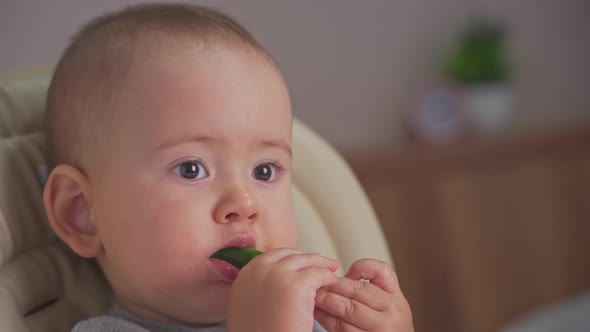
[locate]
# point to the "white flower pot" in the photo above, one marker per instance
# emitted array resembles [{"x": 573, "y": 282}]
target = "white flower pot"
[{"x": 489, "y": 107}]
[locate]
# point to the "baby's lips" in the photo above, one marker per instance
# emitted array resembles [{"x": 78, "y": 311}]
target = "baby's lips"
[
  {"x": 224, "y": 269},
  {"x": 240, "y": 241}
]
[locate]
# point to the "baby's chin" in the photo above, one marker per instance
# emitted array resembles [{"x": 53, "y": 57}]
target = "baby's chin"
[
  {"x": 209, "y": 321},
  {"x": 211, "y": 318},
  {"x": 211, "y": 312},
  {"x": 208, "y": 310},
  {"x": 188, "y": 317}
]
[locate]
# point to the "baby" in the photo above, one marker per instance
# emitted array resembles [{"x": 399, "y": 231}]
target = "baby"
[{"x": 169, "y": 137}]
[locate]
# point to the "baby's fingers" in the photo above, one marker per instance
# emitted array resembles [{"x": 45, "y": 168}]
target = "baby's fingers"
[
  {"x": 300, "y": 261},
  {"x": 316, "y": 277},
  {"x": 363, "y": 292},
  {"x": 338, "y": 313},
  {"x": 376, "y": 272}
]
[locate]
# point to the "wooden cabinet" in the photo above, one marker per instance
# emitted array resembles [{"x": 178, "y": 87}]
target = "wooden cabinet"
[{"x": 481, "y": 233}]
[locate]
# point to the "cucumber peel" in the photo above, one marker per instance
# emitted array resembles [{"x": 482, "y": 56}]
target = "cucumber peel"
[{"x": 237, "y": 257}]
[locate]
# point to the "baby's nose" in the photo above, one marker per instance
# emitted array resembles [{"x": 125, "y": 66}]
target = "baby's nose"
[{"x": 237, "y": 205}]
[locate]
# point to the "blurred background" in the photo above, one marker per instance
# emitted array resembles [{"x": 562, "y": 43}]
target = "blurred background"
[{"x": 467, "y": 122}]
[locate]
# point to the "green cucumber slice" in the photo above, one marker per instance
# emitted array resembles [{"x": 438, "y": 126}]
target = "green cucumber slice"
[{"x": 237, "y": 257}]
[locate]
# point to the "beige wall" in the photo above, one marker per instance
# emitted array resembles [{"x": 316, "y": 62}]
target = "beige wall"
[{"x": 354, "y": 66}]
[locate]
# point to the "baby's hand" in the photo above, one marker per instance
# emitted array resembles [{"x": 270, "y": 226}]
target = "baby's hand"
[
  {"x": 356, "y": 305},
  {"x": 276, "y": 291}
]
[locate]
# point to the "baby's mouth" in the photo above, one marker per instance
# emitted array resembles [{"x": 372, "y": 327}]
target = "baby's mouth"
[
  {"x": 240, "y": 241},
  {"x": 237, "y": 257},
  {"x": 238, "y": 251},
  {"x": 234, "y": 255}
]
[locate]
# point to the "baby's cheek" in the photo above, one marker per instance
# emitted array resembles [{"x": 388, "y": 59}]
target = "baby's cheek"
[
  {"x": 166, "y": 225},
  {"x": 281, "y": 231},
  {"x": 174, "y": 232}
]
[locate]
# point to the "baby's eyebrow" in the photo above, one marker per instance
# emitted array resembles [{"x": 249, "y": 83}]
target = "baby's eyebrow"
[
  {"x": 184, "y": 139},
  {"x": 280, "y": 144},
  {"x": 265, "y": 143}
]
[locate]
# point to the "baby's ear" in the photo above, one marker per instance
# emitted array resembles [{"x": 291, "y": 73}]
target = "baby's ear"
[{"x": 67, "y": 203}]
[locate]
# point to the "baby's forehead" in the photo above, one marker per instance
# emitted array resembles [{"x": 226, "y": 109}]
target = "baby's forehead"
[
  {"x": 92, "y": 74},
  {"x": 163, "y": 78}
]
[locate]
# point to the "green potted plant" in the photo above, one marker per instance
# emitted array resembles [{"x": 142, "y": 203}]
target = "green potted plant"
[{"x": 479, "y": 64}]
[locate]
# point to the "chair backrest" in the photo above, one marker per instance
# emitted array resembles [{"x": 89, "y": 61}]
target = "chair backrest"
[{"x": 44, "y": 287}]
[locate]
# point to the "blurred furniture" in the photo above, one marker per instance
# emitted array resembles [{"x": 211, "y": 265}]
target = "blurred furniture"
[
  {"x": 482, "y": 233},
  {"x": 567, "y": 315},
  {"x": 44, "y": 287}
]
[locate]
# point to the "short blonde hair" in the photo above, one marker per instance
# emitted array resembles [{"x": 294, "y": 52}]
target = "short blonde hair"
[{"x": 86, "y": 78}]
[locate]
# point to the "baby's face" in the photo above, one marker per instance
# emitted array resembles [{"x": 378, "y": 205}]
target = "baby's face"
[{"x": 198, "y": 159}]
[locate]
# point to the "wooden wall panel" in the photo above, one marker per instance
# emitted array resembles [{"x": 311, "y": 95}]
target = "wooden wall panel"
[{"x": 482, "y": 233}]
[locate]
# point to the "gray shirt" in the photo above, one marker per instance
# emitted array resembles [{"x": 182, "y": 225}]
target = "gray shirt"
[{"x": 118, "y": 319}]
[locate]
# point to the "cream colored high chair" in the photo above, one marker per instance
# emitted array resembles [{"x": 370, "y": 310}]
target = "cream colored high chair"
[{"x": 44, "y": 287}]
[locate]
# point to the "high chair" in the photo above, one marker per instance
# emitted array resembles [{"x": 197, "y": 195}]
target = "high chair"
[{"x": 44, "y": 287}]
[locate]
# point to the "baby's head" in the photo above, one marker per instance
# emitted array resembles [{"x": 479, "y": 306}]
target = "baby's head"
[{"x": 169, "y": 137}]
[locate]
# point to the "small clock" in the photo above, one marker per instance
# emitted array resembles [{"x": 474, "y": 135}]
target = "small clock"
[{"x": 439, "y": 117}]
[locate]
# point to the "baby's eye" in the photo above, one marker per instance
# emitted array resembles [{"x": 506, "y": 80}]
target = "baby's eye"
[
  {"x": 266, "y": 172},
  {"x": 191, "y": 170}
]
